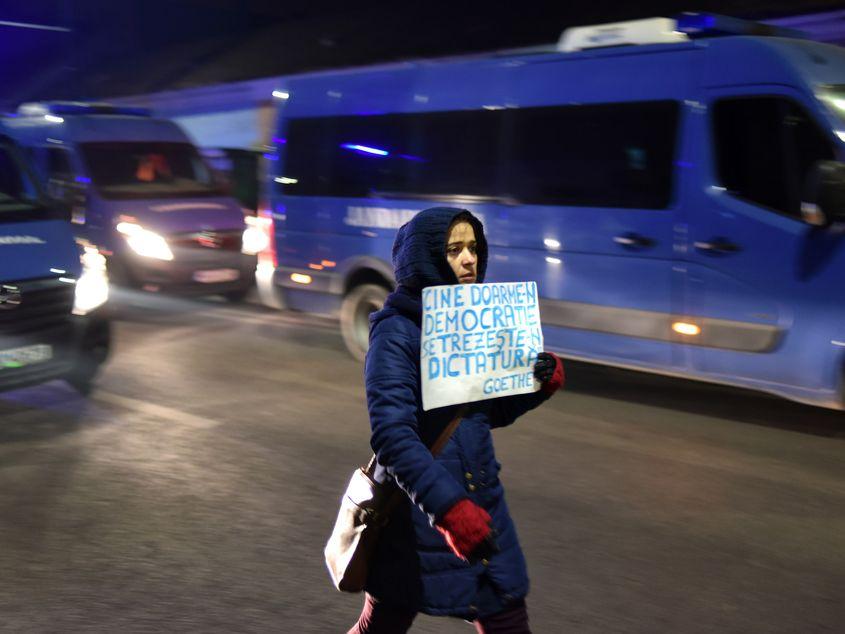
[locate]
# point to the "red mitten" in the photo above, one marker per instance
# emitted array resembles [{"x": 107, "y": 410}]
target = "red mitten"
[
  {"x": 465, "y": 527},
  {"x": 549, "y": 371},
  {"x": 558, "y": 378}
]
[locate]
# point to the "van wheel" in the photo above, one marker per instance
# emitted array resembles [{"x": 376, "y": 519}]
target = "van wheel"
[
  {"x": 96, "y": 346},
  {"x": 355, "y": 316}
]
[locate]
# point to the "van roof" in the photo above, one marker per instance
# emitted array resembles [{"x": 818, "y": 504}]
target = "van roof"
[
  {"x": 625, "y": 38},
  {"x": 62, "y": 108},
  {"x": 86, "y": 128},
  {"x": 806, "y": 56}
]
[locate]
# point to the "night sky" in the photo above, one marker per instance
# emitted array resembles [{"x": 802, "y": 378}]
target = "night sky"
[{"x": 112, "y": 48}]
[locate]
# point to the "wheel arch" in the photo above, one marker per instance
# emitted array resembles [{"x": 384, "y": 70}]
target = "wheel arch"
[{"x": 368, "y": 270}]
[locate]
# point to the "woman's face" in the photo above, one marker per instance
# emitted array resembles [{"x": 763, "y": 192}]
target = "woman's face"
[{"x": 460, "y": 252}]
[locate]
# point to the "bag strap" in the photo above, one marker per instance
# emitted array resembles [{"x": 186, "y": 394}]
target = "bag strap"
[
  {"x": 438, "y": 445},
  {"x": 446, "y": 434}
]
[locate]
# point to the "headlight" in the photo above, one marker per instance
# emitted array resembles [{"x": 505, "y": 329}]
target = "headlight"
[
  {"x": 255, "y": 238},
  {"x": 145, "y": 242},
  {"x": 92, "y": 287}
]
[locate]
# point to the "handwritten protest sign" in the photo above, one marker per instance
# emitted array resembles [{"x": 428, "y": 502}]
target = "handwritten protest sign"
[{"x": 479, "y": 341}]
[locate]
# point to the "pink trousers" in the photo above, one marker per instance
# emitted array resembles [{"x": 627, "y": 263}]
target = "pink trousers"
[{"x": 381, "y": 618}]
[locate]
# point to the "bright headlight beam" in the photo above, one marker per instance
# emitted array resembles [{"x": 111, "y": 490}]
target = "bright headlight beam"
[
  {"x": 254, "y": 240},
  {"x": 92, "y": 287},
  {"x": 144, "y": 242}
]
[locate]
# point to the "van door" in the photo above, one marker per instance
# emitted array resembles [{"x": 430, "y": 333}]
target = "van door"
[
  {"x": 761, "y": 285},
  {"x": 596, "y": 182}
]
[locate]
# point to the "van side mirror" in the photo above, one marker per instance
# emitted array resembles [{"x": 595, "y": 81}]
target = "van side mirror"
[{"x": 823, "y": 201}]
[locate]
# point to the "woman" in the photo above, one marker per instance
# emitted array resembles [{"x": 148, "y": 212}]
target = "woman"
[{"x": 450, "y": 547}]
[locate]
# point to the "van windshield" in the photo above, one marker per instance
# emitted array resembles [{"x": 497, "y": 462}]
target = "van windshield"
[{"x": 147, "y": 170}]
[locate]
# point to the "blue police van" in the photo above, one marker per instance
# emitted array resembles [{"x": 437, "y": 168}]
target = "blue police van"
[
  {"x": 673, "y": 186},
  {"x": 137, "y": 187},
  {"x": 52, "y": 288}
]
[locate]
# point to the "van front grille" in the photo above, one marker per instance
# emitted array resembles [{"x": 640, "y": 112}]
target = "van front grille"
[
  {"x": 32, "y": 306},
  {"x": 229, "y": 240}
]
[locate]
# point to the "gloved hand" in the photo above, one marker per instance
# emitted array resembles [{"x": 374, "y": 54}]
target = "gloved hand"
[
  {"x": 548, "y": 369},
  {"x": 467, "y": 529}
]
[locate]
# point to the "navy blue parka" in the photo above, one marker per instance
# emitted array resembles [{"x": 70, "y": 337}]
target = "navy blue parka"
[{"x": 413, "y": 567}]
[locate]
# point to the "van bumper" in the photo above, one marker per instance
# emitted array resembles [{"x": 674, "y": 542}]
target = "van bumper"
[
  {"x": 295, "y": 288},
  {"x": 220, "y": 272},
  {"x": 77, "y": 348},
  {"x": 330, "y": 282}
]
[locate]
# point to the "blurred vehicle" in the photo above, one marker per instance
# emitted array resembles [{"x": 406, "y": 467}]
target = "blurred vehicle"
[
  {"x": 672, "y": 185},
  {"x": 139, "y": 189},
  {"x": 240, "y": 170},
  {"x": 52, "y": 289}
]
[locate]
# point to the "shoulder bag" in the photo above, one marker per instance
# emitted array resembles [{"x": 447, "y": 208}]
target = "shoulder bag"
[{"x": 364, "y": 510}]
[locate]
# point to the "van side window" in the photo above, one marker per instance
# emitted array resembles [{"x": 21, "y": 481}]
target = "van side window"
[
  {"x": 426, "y": 154},
  {"x": 764, "y": 148},
  {"x": 58, "y": 164},
  {"x": 615, "y": 155},
  {"x": 607, "y": 155}
]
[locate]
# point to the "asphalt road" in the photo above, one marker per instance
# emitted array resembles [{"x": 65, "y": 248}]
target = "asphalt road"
[{"x": 194, "y": 489}]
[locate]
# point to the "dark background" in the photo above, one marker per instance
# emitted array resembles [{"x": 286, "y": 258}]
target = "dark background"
[{"x": 114, "y": 48}]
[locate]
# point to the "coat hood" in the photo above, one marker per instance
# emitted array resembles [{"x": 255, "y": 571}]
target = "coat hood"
[
  {"x": 419, "y": 260},
  {"x": 419, "y": 251}
]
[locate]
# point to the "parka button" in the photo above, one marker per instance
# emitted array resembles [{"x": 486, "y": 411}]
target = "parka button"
[
  {"x": 468, "y": 475},
  {"x": 471, "y": 487},
  {"x": 485, "y": 562}
]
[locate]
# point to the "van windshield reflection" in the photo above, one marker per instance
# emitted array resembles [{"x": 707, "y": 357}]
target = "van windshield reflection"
[
  {"x": 147, "y": 170},
  {"x": 834, "y": 97}
]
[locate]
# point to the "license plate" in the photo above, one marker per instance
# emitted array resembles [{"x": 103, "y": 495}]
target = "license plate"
[
  {"x": 212, "y": 276},
  {"x": 27, "y": 355}
]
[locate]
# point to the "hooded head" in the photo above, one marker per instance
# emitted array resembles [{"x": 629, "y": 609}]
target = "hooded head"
[{"x": 419, "y": 251}]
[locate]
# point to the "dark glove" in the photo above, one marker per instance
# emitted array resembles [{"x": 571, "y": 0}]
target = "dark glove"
[
  {"x": 467, "y": 529},
  {"x": 548, "y": 369}
]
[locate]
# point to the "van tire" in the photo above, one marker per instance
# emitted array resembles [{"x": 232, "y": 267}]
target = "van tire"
[
  {"x": 354, "y": 316},
  {"x": 96, "y": 348}
]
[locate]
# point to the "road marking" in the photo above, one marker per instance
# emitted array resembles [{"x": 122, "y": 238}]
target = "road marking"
[
  {"x": 276, "y": 318},
  {"x": 159, "y": 411}
]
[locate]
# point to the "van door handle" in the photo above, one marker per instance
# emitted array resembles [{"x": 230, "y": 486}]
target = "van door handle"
[
  {"x": 633, "y": 241},
  {"x": 717, "y": 245}
]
